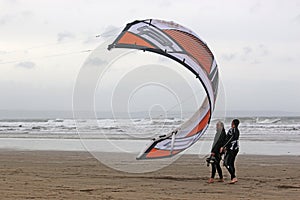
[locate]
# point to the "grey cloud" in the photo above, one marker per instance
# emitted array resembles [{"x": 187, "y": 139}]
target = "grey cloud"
[
  {"x": 8, "y": 18},
  {"x": 250, "y": 54},
  {"x": 229, "y": 57},
  {"x": 91, "y": 40},
  {"x": 253, "y": 54},
  {"x": 5, "y": 19},
  {"x": 64, "y": 35},
  {"x": 26, "y": 65},
  {"x": 263, "y": 50},
  {"x": 109, "y": 31},
  {"x": 247, "y": 50}
]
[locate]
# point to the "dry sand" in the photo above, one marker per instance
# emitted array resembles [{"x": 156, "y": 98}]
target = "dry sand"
[{"x": 77, "y": 175}]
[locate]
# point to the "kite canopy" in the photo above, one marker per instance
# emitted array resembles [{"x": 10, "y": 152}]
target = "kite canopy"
[{"x": 184, "y": 46}]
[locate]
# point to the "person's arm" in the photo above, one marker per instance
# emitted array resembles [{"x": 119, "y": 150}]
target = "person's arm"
[
  {"x": 222, "y": 138},
  {"x": 229, "y": 138},
  {"x": 222, "y": 141},
  {"x": 214, "y": 148}
]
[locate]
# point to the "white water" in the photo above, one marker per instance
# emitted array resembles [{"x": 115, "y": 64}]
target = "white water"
[{"x": 268, "y": 136}]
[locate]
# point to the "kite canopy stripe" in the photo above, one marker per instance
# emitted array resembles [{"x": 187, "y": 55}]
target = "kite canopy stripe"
[{"x": 184, "y": 46}]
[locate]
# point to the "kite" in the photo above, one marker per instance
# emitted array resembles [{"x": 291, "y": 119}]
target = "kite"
[{"x": 185, "y": 47}]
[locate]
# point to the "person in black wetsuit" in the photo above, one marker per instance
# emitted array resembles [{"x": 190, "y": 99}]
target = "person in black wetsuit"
[
  {"x": 231, "y": 148},
  {"x": 215, "y": 152}
]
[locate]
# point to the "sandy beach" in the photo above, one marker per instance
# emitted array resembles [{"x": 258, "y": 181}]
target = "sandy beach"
[{"x": 77, "y": 175}]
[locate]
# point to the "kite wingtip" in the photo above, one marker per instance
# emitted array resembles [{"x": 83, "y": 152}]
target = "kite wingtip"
[
  {"x": 141, "y": 156},
  {"x": 109, "y": 47}
]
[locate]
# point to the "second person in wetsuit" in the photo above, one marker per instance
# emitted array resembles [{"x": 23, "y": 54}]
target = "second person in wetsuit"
[{"x": 231, "y": 147}]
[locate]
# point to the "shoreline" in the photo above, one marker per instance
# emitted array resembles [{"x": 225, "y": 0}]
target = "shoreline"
[{"x": 78, "y": 175}]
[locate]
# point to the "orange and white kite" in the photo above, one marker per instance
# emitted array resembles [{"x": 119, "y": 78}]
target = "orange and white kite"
[{"x": 184, "y": 46}]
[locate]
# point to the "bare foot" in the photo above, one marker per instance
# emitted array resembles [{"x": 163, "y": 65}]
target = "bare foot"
[
  {"x": 211, "y": 180},
  {"x": 233, "y": 181},
  {"x": 221, "y": 180}
]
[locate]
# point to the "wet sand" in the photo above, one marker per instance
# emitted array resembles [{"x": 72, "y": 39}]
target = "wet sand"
[{"x": 77, "y": 175}]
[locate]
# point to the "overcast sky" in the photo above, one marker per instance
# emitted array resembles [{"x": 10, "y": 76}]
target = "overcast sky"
[{"x": 256, "y": 43}]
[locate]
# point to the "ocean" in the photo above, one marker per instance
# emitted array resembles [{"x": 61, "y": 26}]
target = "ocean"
[{"x": 265, "y": 135}]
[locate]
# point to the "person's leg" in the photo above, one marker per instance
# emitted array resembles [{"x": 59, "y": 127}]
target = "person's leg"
[
  {"x": 230, "y": 163},
  {"x": 225, "y": 160},
  {"x": 231, "y": 167},
  {"x": 234, "y": 153},
  {"x": 213, "y": 173},
  {"x": 213, "y": 170},
  {"x": 219, "y": 170},
  {"x": 217, "y": 165}
]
